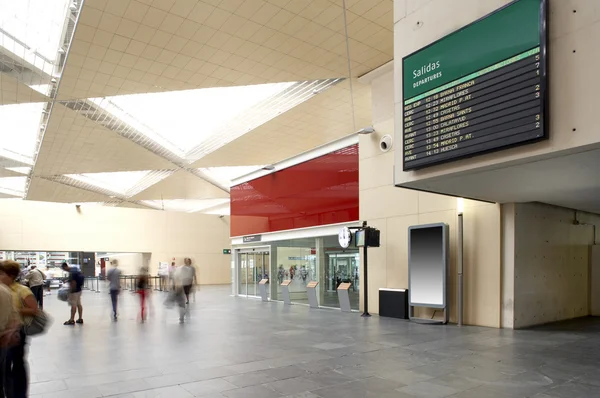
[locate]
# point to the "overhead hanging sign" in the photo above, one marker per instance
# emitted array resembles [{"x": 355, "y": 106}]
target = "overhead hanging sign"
[{"x": 479, "y": 89}]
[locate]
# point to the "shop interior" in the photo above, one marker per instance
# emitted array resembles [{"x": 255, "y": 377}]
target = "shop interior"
[
  {"x": 301, "y": 260},
  {"x": 92, "y": 264}
]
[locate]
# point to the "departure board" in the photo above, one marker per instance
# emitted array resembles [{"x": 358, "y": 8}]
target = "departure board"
[{"x": 480, "y": 89}]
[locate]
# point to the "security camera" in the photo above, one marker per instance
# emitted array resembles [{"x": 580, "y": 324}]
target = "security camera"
[{"x": 385, "y": 144}]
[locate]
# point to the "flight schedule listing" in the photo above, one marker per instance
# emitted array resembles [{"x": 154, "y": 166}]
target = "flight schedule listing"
[{"x": 495, "y": 107}]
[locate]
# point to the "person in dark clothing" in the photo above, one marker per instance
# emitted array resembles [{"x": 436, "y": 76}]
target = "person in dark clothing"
[{"x": 75, "y": 287}]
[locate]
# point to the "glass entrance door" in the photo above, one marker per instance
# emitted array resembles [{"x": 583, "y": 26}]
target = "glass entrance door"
[
  {"x": 243, "y": 274},
  {"x": 253, "y": 266}
]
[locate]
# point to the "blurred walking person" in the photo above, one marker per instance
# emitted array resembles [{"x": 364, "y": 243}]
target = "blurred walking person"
[
  {"x": 75, "y": 282},
  {"x": 178, "y": 294},
  {"x": 9, "y": 330},
  {"x": 35, "y": 280},
  {"x": 188, "y": 277},
  {"x": 114, "y": 284},
  {"x": 15, "y": 365},
  {"x": 142, "y": 289}
]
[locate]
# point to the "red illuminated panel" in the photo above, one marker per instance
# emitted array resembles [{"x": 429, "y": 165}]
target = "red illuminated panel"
[{"x": 320, "y": 191}]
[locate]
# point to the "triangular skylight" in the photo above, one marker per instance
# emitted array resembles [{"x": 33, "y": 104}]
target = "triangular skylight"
[
  {"x": 181, "y": 120},
  {"x": 186, "y": 205},
  {"x": 35, "y": 25},
  {"x": 125, "y": 183},
  {"x": 14, "y": 186},
  {"x": 225, "y": 175},
  {"x": 20, "y": 130}
]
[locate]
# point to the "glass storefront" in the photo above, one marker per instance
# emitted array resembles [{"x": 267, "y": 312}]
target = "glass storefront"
[
  {"x": 253, "y": 266},
  {"x": 300, "y": 260}
]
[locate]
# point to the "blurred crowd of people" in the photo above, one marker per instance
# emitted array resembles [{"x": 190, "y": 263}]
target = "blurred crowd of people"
[
  {"x": 179, "y": 283},
  {"x": 22, "y": 298}
]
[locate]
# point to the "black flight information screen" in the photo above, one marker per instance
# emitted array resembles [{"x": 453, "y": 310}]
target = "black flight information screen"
[{"x": 480, "y": 89}]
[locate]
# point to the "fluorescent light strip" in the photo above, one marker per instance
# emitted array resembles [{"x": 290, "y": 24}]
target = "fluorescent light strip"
[
  {"x": 225, "y": 175},
  {"x": 186, "y": 205}
]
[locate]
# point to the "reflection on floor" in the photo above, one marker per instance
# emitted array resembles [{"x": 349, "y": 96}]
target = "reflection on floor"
[
  {"x": 234, "y": 347},
  {"x": 329, "y": 299}
]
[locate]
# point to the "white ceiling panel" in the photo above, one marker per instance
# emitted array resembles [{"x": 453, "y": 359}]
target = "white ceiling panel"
[
  {"x": 15, "y": 92},
  {"x": 181, "y": 185},
  {"x": 136, "y": 47}
]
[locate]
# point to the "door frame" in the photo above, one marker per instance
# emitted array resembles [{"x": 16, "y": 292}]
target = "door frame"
[{"x": 238, "y": 265}]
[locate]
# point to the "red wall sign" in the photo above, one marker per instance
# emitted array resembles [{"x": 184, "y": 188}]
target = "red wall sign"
[{"x": 320, "y": 191}]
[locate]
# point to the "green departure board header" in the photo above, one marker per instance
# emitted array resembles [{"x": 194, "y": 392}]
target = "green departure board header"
[
  {"x": 508, "y": 32},
  {"x": 481, "y": 88}
]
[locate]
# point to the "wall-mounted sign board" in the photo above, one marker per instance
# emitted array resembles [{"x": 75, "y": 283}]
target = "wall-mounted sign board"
[
  {"x": 428, "y": 265},
  {"x": 252, "y": 238},
  {"x": 479, "y": 89}
]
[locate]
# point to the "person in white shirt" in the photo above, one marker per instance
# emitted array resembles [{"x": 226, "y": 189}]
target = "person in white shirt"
[
  {"x": 35, "y": 280},
  {"x": 114, "y": 280},
  {"x": 188, "y": 278}
]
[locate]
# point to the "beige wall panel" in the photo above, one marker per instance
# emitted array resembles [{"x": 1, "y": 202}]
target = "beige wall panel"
[
  {"x": 430, "y": 202},
  {"x": 482, "y": 272},
  {"x": 551, "y": 265},
  {"x": 377, "y": 171},
  {"x": 387, "y": 201},
  {"x": 377, "y": 268},
  {"x": 53, "y": 226},
  {"x": 401, "y": 208},
  {"x": 396, "y": 244}
]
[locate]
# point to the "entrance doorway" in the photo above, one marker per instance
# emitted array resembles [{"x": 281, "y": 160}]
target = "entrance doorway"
[{"x": 253, "y": 265}]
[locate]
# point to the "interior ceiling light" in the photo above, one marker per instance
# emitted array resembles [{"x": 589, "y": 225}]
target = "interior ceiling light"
[
  {"x": 19, "y": 131},
  {"x": 186, "y": 205},
  {"x": 38, "y": 24},
  {"x": 125, "y": 183},
  {"x": 192, "y": 123},
  {"x": 225, "y": 175},
  {"x": 14, "y": 186}
]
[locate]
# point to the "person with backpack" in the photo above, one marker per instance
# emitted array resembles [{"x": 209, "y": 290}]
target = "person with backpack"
[
  {"x": 35, "y": 280},
  {"x": 75, "y": 282}
]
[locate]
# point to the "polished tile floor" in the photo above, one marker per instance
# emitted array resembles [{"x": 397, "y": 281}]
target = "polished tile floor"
[{"x": 233, "y": 347}]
